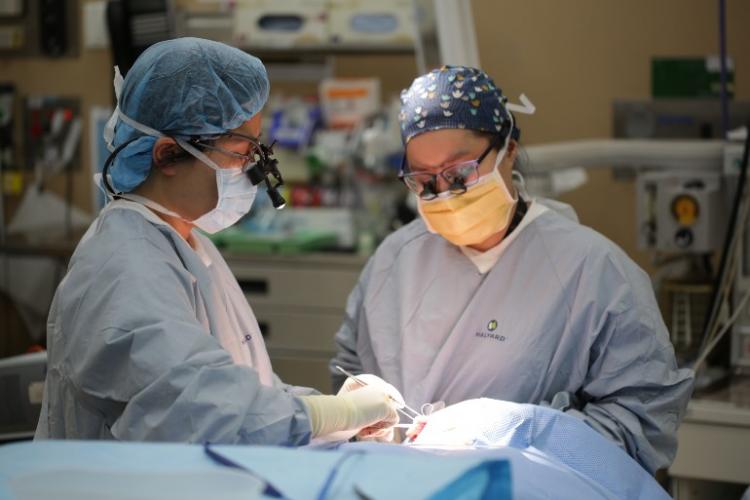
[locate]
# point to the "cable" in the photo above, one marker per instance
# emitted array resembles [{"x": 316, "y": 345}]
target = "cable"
[
  {"x": 729, "y": 242},
  {"x": 711, "y": 345},
  {"x": 726, "y": 289},
  {"x": 724, "y": 293},
  {"x": 5, "y": 261},
  {"x": 723, "y": 67}
]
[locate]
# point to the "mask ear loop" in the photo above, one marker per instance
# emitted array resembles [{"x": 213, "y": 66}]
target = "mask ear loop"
[
  {"x": 511, "y": 126},
  {"x": 508, "y": 131}
]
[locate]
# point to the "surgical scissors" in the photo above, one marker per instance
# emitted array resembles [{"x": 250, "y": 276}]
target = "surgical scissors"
[{"x": 361, "y": 382}]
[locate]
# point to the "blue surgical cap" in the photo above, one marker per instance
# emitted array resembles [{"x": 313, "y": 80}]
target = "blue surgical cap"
[
  {"x": 453, "y": 97},
  {"x": 183, "y": 87}
]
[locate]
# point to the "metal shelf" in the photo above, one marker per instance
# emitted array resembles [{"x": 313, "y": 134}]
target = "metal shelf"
[
  {"x": 330, "y": 49},
  {"x": 320, "y": 54},
  {"x": 219, "y": 27}
]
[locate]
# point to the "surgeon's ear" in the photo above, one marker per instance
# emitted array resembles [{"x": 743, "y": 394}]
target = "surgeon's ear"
[
  {"x": 166, "y": 155},
  {"x": 512, "y": 150},
  {"x": 506, "y": 165}
]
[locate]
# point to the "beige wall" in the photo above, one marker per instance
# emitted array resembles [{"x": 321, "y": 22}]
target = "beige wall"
[{"x": 573, "y": 57}]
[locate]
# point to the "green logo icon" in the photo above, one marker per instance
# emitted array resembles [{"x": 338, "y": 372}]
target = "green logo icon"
[{"x": 492, "y": 325}]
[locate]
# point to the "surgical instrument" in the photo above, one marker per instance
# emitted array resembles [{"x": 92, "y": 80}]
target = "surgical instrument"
[{"x": 414, "y": 412}]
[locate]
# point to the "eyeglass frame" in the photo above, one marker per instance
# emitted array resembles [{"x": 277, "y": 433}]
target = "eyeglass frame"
[
  {"x": 199, "y": 142},
  {"x": 495, "y": 142},
  {"x": 260, "y": 166}
]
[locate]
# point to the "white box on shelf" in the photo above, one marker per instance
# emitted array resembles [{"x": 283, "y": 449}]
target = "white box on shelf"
[
  {"x": 348, "y": 101},
  {"x": 280, "y": 23},
  {"x": 371, "y": 22}
]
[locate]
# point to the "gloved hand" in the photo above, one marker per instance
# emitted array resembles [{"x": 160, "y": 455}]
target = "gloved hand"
[
  {"x": 381, "y": 431},
  {"x": 350, "y": 412},
  {"x": 372, "y": 381}
]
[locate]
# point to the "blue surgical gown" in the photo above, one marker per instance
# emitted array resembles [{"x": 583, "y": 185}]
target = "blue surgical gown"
[
  {"x": 563, "y": 318},
  {"x": 150, "y": 338}
]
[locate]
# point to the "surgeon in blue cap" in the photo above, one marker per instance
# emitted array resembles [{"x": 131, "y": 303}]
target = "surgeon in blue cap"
[
  {"x": 149, "y": 335},
  {"x": 492, "y": 293}
]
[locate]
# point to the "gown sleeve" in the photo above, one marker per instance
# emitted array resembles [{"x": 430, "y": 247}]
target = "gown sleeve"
[
  {"x": 633, "y": 392},
  {"x": 139, "y": 356}
]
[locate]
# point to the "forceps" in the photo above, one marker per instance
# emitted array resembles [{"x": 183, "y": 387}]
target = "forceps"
[{"x": 414, "y": 413}]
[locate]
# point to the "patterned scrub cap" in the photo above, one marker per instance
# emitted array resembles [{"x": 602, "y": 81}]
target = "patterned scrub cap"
[{"x": 454, "y": 97}]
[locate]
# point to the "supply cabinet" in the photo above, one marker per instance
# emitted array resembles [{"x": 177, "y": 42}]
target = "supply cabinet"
[{"x": 299, "y": 302}]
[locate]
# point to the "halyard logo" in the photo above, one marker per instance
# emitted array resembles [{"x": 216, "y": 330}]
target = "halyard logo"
[{"x": 491, "y": 327}]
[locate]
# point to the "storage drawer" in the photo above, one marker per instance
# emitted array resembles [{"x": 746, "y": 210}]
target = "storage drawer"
[
  {"x": 301, "y": 287},
  {"x": 298, "y": 330},
  {"x": 712, "y": 451}
]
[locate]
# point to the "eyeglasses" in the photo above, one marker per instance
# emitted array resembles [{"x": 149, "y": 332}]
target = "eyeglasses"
[
  {"x": 247, "y": 159},
  {"x": 459, "y": 177},
  {"x": 259, "y": 165}
]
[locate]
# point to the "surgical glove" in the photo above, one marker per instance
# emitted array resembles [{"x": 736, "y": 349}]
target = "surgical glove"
[
  {"x": 370, "y": 380},
  {"x": 351, "y": 412},
  {"x": 378, "y": 432},
  {"x": 382, "y": 432}
]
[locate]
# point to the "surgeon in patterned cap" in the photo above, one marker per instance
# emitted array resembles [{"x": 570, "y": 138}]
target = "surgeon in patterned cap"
[
  {"x": 471, "y": 203},
  {"x": 493, "y": 294}
]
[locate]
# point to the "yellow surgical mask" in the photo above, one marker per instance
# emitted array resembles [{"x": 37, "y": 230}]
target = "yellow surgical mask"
[{"x": 468, "y": 219}]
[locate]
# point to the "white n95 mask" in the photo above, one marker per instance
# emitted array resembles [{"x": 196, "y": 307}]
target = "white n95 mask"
[{"x": 235, "y": 194}]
